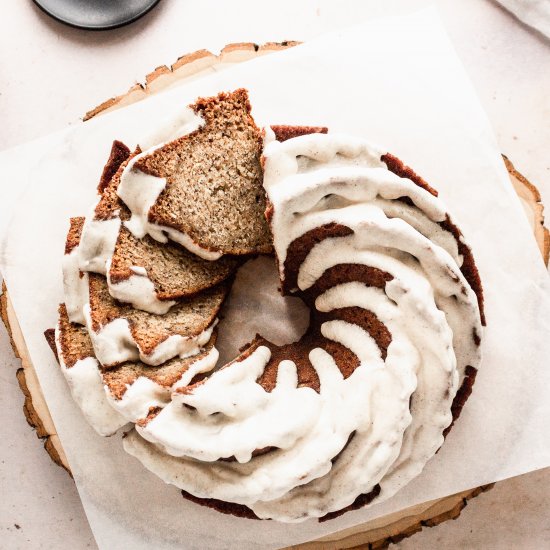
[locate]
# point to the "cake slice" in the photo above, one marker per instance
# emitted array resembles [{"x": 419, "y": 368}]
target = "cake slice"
[
  {"x": 152, "y": 276},
  {"x": 121, "y": 333},
  {"x": 111, "y": 398},
  {"x": 142, "y": 272},
  {"x": 203, "y": 190}
]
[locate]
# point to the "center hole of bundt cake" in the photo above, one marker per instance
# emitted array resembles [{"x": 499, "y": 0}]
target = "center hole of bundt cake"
[{"x": 255, "y": 306}]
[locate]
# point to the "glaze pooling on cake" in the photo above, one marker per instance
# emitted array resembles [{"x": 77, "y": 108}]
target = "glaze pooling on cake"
[
  {"x": 75, "y": 287},
  {"x": 138, "y": 290},
  {"x": 82, "y": 372},
  {"x": 397, "y": 407},
  {"x": 86, "y": 385},
  {"x": 98, "y": 243}
]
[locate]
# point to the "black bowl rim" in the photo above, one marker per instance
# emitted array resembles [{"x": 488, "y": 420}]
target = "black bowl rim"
[{"x": 116, "y": 25}]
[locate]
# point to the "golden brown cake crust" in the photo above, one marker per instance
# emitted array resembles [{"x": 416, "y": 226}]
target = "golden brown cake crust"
[
  {"x": 283, "y": 132},
  {"x": 73, "y": 236}
]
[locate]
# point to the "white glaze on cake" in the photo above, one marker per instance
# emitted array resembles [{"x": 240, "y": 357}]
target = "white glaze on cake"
[
  {"x": 86, "y": 385},
  {"x": 75, "y": 287},
  {"x": 114, "y": 343},
  {"x": 139, "y": 291},
  {"x": 386, "y": 420},
  {"x": 97, "y": 243},
  {"x": 145, "y": 393}
]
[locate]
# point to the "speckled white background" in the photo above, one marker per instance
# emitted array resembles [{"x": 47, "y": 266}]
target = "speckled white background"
[{"x": 51, "y": 74}]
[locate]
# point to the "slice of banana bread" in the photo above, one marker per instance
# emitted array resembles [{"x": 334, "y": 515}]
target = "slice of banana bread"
[
  {"x": 208, "y": 192},
  {"x": 172, "y": 271},
  {"x": 121, "y": 333},
  {"x": 142, "y": 272}
]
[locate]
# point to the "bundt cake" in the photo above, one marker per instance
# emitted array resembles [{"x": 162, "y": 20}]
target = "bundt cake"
[{"x": 353, "y": 410}]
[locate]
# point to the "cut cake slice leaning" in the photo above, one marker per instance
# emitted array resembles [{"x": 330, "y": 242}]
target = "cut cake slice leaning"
[{"x": 203, "y": 190}]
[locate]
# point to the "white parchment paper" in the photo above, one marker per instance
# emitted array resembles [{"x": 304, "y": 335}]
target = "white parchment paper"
[{"x": 396, "y": 82}]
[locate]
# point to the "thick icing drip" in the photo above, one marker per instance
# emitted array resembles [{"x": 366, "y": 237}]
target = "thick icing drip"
[
  {"x": 302, "y": 199},
  {"x": 97, "y": 243},
  {"x": 114, "y": 343},
  {"x": 94, "y": 253},
  {"x": 86, "y": 385},
  {"x": 139, "y": 291},
  {"x": 144, "y": 393},
  {"x": 381, "y": 424},
  {"x": 75, "y": 287},
  {"x": 139, "y": 191}
]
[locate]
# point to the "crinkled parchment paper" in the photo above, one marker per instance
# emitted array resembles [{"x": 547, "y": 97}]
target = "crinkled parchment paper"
[{"x": 398, "y": 83}]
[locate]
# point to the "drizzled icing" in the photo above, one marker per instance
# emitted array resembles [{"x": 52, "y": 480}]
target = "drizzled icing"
[
  {"x": 139, "y": 291},
  {"x": 86, "y": 385},
  {"x": 144, "y": 393},
  {"x": 381, "y": 424},
  {"x": 75, "y": 287}
]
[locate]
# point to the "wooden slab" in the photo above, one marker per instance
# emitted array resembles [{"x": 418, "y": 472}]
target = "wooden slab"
[{"x": 372, "y": 535}]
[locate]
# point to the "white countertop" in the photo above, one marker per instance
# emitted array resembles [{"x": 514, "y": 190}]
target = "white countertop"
[{"x": 50, "y": 75}]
